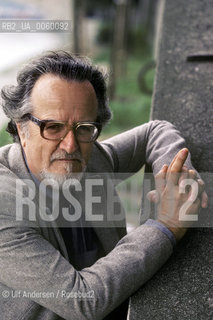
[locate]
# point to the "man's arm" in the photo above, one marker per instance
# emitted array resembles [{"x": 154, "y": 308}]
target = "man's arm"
[
  {"x": 155, "y": 143},
  {"x": 29, "y": 262}
]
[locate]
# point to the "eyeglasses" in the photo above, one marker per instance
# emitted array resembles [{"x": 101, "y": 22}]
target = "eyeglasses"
[{"x": 57, "y": 130}]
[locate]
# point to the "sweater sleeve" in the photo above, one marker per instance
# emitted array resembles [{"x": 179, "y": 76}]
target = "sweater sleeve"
[
  {"x": 154, "y": 143},
  {"x": 30, "y": 263}
]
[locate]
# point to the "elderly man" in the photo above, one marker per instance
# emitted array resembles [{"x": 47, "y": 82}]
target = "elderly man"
[{"x": 68, "y": 271}]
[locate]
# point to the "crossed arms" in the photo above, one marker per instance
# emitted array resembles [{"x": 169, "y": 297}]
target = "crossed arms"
[{"x": 29, "y": 261}]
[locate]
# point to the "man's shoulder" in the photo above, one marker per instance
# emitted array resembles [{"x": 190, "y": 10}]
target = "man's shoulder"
[
  {"x": 10, "y": 156},
  {"x": 4, "y": 152},
  {"x": 12, "y": 166},
  {"x": 101, "y": 159}
]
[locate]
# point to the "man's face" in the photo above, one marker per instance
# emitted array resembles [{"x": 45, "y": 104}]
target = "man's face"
[{"x": 54, "y": 98}]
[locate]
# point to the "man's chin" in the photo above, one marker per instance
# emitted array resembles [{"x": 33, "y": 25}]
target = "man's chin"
[
  {"x": 66, "y": 167},
  {"x": 60, "y": 179}
]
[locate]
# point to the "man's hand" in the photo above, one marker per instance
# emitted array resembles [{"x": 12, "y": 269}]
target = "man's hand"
[
  {"x": 154, "y": 195},
  {"x": 171, "y": 201}
]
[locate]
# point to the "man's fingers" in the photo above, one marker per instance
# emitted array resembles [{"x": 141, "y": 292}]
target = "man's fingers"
[
  {"x": 184, "y": 174},
  {"x": 180, "y": 158},
  {"x": 192, "y": 174},
  {"x": 153, "y": 196},
  {"x": 201, "y": 187},
  {"x": 175, "y": 168},
  {"x": 204, "y": 200},
  {"x": 162, "y": 172},
  {"x": 160, "y": 178},
  {"x": 173, "y": 160},
  {"x": 160, "y": 181},
  {"x": 193, "y": 209}
]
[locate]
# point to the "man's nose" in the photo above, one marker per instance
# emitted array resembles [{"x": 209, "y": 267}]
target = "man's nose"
[{"x": 69, "y": 143}]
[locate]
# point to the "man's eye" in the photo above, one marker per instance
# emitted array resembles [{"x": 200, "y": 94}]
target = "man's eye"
[
  {"x": 54, "y": 127},
  {"x": 85, "y": 129}
]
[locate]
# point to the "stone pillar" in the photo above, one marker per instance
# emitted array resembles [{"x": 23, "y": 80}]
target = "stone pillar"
[{"x": 183, "y": 95}]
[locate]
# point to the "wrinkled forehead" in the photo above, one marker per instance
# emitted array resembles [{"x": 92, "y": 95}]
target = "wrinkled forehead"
[{"x": 53, "y": 94}]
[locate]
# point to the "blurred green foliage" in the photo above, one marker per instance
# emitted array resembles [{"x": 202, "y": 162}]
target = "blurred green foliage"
[
  {"x": 137, "y": 41},
  {"x": 149, "y": 79},
  {"x": 104, "y": 34},
  {"x": 5, "y": 138},
  {"x": 131, "y": 107}
]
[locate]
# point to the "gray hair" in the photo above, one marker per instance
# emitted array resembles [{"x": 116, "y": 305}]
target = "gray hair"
[{"x": 16, "y": 99}]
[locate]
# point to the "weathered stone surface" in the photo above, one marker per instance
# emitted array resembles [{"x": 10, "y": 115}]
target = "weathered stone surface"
[
  {"x": 183, "y": 92},
  {"x": 183, "y": 288}
]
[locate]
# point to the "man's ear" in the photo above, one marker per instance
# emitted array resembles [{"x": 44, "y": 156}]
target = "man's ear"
[{"x": 21, "y": 134}]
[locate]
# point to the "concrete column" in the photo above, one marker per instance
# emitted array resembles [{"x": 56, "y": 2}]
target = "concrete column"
[{"x": 183, "y": 95}]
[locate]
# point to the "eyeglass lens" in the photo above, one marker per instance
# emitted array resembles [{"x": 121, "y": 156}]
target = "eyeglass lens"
[{"x": 57, "y": 130}]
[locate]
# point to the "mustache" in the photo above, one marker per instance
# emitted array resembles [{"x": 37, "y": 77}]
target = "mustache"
[{"x": 57, "y": 155}]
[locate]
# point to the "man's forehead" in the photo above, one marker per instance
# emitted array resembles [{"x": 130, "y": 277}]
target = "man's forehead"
[
  {"x": 52, "y": 93},
  {"x": 53, "y": 82}
]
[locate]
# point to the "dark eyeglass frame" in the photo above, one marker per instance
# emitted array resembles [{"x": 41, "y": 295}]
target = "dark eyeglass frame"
[{"x": 42, "y": 124}]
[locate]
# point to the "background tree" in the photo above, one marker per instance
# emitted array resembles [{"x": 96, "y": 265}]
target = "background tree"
[
  {"x": 79, "y": 10},
  {"x": 119, "y": 45}
]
